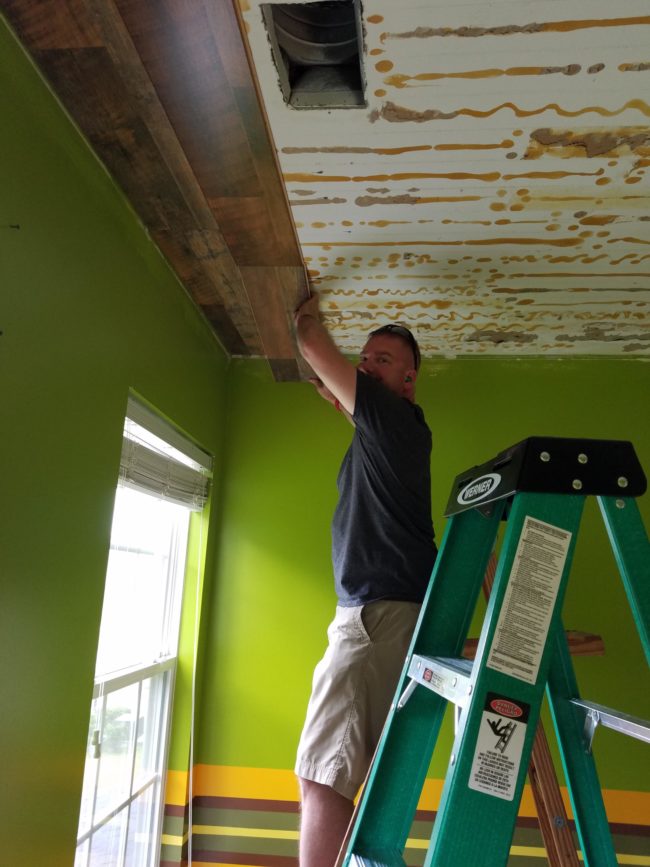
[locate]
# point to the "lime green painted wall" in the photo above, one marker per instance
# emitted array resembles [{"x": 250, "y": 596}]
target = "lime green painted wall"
[
  {"x": 274, "y": 594},
  {"x": 89, "y": 309}
]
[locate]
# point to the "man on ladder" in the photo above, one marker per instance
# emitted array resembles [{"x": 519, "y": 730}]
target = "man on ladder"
[{"x": 384, "y": 510}]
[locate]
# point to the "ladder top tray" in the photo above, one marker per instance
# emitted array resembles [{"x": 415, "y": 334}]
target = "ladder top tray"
[{"x": 551, "y": 465}]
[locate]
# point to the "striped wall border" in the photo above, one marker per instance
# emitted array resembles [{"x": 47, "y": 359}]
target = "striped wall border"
[{"x": 249, "y": 817}]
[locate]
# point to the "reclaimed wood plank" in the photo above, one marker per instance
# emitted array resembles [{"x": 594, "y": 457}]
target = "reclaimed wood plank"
[
  {"x": 200, "y": 272},
  {"x": 165, "y": 94},
  {"x": 227, "y": 25},
  {"x": 264, "y": 287},
  {"x": 180, "y": 54},
  {"x": 43, "y": 24}
]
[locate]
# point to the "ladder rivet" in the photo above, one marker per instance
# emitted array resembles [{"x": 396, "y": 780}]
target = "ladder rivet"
[
  {"x": 582, "y": 459},
  {"x": 454, "y": 681},
  {"x": 622, "y": 482},
  {"x": 470, "y": 689},
  {"x": 620, "y": 504},
  {"x": 453, "y": 760},
  {"x": 577, "y": 484},
  {"x": 544, "y": 456}
]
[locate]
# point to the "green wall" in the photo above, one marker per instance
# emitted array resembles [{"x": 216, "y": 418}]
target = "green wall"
[
  {"x": 274, "y": 596},
  {"x": 89, "y": 310}
]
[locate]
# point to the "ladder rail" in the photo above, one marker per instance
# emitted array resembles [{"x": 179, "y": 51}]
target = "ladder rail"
[
  {"x": 490, "y": 843},
  {"x": 579, "y": 767},
  {"x": 551, "y": 811},
  {"x": 632, "y": 553},
  {"x": 390, "y": 797}
]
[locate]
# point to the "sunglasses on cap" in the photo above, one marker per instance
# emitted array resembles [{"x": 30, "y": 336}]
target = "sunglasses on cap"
[{"x": 403, "y": 332}]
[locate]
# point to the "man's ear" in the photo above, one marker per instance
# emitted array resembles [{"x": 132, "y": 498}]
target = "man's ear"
[{"x": 409, "y": 383}]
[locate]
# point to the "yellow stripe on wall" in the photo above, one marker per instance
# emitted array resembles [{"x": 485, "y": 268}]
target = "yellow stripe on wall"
[
  {"x": 525, "y": 851},
  {"x": 540, "y": 852},
  {"x": 172, "y": 840},
  {"x": 227, "y": 781},
  {"x": 262, "y": 833}
]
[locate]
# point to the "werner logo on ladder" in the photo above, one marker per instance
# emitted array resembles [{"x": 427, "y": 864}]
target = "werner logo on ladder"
[{"x": 540, "y": 486}]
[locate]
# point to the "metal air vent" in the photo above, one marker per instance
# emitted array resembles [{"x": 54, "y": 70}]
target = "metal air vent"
[{"x": 316, "y": 48}]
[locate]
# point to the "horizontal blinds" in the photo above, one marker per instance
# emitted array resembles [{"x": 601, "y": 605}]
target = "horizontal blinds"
[
  {"x": 169, "y": 435},
  {"x": 152, "y": 463}
]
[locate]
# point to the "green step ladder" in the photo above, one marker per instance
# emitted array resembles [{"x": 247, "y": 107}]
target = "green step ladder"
[{"x": 539, "y": 487}]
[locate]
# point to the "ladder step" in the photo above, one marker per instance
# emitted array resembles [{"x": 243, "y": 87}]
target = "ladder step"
[
  {"x": 598, "y": 714},
  {"x": 378, "y": 859},
  {"x": 448, "y": 678}
]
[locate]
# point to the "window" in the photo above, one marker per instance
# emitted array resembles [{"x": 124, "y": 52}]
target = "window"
[{"x": 161, "y": 482}]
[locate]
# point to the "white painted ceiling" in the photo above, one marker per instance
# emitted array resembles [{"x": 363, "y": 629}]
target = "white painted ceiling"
[{"x": 493, "y": 193}]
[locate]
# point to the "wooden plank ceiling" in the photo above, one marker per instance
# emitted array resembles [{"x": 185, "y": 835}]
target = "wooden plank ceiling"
[{"x": 164, "y": 93}]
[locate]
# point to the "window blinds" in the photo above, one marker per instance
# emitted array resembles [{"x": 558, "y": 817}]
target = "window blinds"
[{"x": 157, "y": 459}]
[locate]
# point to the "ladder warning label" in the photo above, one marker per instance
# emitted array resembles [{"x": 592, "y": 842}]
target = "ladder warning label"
[
  {"x": 525, "y": 616},
  {"x": 495, "y": 766}
]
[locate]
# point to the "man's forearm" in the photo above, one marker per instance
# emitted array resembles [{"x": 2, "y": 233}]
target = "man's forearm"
[
  {"x": 323, "y": 356},
  {"x": 313, "y": 338}
]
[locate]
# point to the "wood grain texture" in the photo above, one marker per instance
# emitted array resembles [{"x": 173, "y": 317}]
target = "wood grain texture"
[
  {"x": 182, "y": 59},
  {"x": 165, "y": 95},
  {"x": 266, "y": 288}
]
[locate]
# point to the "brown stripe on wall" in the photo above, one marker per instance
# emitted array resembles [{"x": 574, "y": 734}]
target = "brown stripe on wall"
[
  {"x": 203, "y": 857},
  {"x": 260, "y": 804},
  {"x": 632, "y": 830}
]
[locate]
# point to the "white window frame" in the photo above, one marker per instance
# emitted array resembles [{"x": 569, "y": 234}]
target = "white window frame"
[
  {"x": 182, "y": 454},
  {"x": 166, "y": 670}
]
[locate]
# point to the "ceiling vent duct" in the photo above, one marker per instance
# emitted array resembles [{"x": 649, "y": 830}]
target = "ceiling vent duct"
[{"x": 317, "y": 49}]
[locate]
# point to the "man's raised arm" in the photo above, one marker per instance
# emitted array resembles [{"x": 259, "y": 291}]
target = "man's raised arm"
[{"x": 318, "y": 349}]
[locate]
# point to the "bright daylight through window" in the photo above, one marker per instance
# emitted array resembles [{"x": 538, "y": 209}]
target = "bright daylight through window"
[{"x": 119, "y": 824}]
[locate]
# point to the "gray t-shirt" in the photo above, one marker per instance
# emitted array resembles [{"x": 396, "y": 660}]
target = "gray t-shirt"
[{"x": 382, "y": 534}]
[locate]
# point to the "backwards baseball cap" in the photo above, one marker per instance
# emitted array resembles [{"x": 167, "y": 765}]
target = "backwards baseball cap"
[{"x": 403, "y": 332}]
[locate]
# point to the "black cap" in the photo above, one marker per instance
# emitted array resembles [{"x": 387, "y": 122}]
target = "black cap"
[{"x": 403, "y": 332}]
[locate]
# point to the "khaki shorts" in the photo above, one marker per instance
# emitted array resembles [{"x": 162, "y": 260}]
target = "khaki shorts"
[{"x": 353, "y": 687}]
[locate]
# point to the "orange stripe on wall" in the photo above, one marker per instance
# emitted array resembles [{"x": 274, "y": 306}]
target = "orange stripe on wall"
[
  {"x": 432, "y": 790},
  {"x": 625, "y": 807},
  {"x": 234, "y": 782},
  {"x": 629, "y": 808},
  {"x": 176, "y": 788}
]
